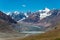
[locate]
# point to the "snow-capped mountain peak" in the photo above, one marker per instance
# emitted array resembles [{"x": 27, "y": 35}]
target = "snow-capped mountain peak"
[
  {"x": 21, "y": 16},
  {"x": 47, "y": 10},
  {"x": 16, "y": 12},
  {"x": 44, "y": 13}
]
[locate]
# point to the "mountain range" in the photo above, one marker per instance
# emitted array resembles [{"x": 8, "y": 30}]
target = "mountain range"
[
  {"x": 40, "y": 16},
  {"x": 20, "y": 15},
  {"x": 45, "y": 19}
]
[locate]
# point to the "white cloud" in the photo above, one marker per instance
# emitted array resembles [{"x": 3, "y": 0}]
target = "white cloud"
[{"x": 23, "y": 5}]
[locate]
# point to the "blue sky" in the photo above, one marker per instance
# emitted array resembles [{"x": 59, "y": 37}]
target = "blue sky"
[{"x": 25, "y": 5}]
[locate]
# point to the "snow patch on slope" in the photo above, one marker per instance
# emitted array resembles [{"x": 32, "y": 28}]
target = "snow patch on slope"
[
  {"x": 8, "y": 13},
  {"x": 21, "y": 19},
  {"x": 26, "y": 14}
]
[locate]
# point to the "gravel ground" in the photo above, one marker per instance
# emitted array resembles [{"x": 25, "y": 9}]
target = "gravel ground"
[{"x": 9, "y": 36}]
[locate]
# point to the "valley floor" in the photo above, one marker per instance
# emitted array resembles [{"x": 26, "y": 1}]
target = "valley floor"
[
  {"x": 50, "y": 35},
  {"x": 10, "y": 36}
]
